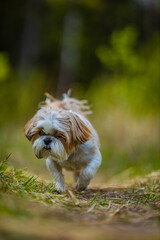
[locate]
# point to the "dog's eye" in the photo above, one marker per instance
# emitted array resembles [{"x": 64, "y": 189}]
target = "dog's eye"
[
  {"x": 41, "y": 133},
  {"x": 58, "y": 136}
]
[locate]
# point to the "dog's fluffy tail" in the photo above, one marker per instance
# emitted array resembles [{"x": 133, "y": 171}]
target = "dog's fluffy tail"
[{"x": 69, "y": 103}]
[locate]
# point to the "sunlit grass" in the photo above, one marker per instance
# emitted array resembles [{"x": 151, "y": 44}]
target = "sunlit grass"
[
  {"x": 19, "y": 181},
  {"x": 28, "y": 201}
]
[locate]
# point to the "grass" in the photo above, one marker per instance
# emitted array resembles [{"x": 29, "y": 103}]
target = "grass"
[{"x": 33, "y": 204}]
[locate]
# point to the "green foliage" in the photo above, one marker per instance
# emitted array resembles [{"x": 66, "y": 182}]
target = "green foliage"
[
  {"x": 120, "y": 56},
  {"x": 131, "y": 80},
  {"x": 3, "y": 164}
]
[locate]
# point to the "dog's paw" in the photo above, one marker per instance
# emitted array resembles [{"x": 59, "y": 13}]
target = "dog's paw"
[
  {"x": 82, "y": 183},
  {"x": 60, "y": 188}
]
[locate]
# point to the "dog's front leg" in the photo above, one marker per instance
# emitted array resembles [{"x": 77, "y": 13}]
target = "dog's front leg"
[
  {"x": 88, "y": 172},
  {"x": 56, "y": 172}
]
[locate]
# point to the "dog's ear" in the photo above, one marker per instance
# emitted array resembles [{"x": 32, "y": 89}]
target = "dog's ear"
[
  {"x": 80, "y": 132},
  {"x": 27, "y": 129},
  {"x": 76, "y": 129}
]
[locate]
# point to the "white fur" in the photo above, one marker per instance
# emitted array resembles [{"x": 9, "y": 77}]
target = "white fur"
[
  {"x": 84, "y": 160},
  {"x": 50, "y": 121}
]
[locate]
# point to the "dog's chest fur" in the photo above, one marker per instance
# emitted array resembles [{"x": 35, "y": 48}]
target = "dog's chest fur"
[{"x": 80, "y": 158}]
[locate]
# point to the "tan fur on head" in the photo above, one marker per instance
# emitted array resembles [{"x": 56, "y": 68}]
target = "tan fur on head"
[
  {"x": 27, "y": 129},
  {"x": 75, "y": 131},
  {"x": 78, "y": 132},
  {"x": 30, "y": 131}
]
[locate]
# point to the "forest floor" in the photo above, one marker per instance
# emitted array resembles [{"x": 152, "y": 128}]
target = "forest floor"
[{"x": 31, "y": 209}]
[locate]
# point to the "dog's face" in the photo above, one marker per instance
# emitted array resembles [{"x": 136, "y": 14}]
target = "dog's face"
[{"x": 56, "y": 132}]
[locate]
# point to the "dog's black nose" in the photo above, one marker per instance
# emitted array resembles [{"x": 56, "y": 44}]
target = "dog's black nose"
[{"x": 47, "y": 141}]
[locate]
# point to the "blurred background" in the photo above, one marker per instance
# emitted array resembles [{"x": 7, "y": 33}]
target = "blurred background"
[{"x": 107, "y": 52}]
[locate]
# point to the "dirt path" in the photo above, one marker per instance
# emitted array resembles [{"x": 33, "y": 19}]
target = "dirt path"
[
  {"x": 93, "y": 214},
  {"x": 29, "y": 210}
]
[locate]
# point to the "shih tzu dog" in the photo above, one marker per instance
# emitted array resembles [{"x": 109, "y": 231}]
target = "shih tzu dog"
[{"x": 61, "y": 133}]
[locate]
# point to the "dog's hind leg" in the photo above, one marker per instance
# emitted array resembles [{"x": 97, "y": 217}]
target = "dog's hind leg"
[{"x": 88, "y": 172}]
